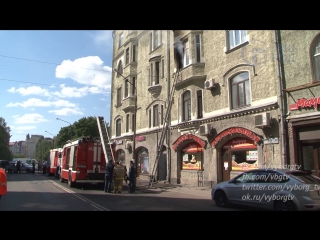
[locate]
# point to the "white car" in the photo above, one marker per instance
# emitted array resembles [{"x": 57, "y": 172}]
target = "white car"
[{"x": 274, "y": 189}]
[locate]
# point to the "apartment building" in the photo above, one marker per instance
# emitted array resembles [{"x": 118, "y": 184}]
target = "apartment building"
[
  {"x": 301, "y": 77},
  {"x": 31, "y": 143},
  {"x": 226, "y": 107},
  {"x": 17, "y": 147}
]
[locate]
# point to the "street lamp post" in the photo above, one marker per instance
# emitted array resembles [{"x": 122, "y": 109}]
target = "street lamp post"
[
  {"x": 52, "y": 138},
  {"x": 70, "y": 127},
  {"x": 134, "y": 119}
]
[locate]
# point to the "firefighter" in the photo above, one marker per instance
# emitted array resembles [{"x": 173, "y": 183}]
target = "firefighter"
[
  {"x": 108, "y": 176},
  {"x": 118, "y": 176},
  {"x": 33, "y": 166},
  {"x": 132, "y": 177}
]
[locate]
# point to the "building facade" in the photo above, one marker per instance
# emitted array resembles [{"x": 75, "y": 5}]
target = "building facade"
[
  {"x": 31, "y": 143},
  {"x": 18, "y": 147},
  {"x": 301, "y": 73},
  {"x": 226, "y": 107}
]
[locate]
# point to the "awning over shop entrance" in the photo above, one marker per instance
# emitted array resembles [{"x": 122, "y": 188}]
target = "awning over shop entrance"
[{"x": 192, "y": 148}]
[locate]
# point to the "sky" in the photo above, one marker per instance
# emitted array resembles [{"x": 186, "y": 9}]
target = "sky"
[{"x": 50, "y": 74}]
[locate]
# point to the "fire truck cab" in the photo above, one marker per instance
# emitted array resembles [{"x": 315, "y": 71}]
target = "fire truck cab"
[{"x": 83, "y": 161}]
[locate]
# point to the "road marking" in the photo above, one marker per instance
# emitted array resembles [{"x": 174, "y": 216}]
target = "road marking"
[{"x": 95, "y": 205}]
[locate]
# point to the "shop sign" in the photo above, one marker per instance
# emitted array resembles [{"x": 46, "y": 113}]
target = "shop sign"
[
  {"x": 305, "y": 103},
  {"x": 234, "y": 130},
  {"x": 270, "y": 141},
  {"x": 188, "y": 137},
  {"x": 140, "y": 138}
]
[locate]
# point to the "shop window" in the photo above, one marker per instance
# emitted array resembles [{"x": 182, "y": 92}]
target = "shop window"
[
  {"x": 143, "y": 161},
  {"x": 192, "y": 157},
  {"x": 240, "y": 90}
]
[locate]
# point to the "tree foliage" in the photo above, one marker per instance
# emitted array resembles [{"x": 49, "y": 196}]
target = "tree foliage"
[
  {"x": 43, "y": 148},
  {"x": 5, "y": 153}
]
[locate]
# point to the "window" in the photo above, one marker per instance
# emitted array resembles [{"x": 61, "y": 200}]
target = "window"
[
  {"x": 151, "y": 73},
  {"x": 120, "y": 69},
  {"x": 240, "y": 90},
  {"x": 155, "y": 39},
  {"x": 186, "y": 53},
  {"x": 316, "y": 61},
  {"x": 121, "y": 156},
  {"x": 247, "y": 177},
  {"x": 118, "y": 128},
  {"x": 127, "y": 123},
  {"x": 133, "y": 81},
  {"x": 149, "y": 118},
  {"x": 186, "y": 107},
  {"x": 199, "y": 104},
  {"x": 119, "y": 96},
  {"x": 157, "y": 72},
  {"x": 120, "y": 39},
  {"x": 161, "y": 115},
  {"x": 126, "y": 88},
  {"x": 133, "y": 122},
  {"x": 156, "y": 115},
  {"x": 198, "y": 48},
  {"x": 134, "y": 53},
  {"x": 236, "y": 37},
  {"x": 162, "y": 68},
  {"x": 127, "y": 56}
]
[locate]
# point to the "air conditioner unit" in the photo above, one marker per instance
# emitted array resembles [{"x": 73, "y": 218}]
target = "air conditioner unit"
[
  {"x": 209, "y": 84},
  {"x": 205, "y": 129},
  {"x": 128, "y": 145},
  {"x": 262, "y": 120}
]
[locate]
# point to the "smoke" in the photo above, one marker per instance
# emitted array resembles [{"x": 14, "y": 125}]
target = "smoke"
[{"x": 178, "y": 45}]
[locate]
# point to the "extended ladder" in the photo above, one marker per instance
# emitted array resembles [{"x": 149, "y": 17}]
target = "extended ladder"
[
  {"x": 105, "y": 140},
  {"x": 163, "y": 133}
]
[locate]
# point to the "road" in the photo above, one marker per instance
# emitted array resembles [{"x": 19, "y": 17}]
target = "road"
[{"x": 38, "y": 192}]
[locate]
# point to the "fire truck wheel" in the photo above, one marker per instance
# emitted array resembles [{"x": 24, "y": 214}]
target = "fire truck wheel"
[
  {"x": 60, "y": 178},
  {"x": 70, "y": 183}
]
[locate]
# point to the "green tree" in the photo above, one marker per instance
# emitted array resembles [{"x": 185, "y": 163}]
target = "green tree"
[
  {"x": 5, "y": 153},
  {"x": 43, "y": 148}
]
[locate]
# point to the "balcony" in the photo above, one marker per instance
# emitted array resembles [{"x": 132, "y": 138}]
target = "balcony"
[
  {"x": 190, "y": 74},
  {"x": 128, "y": 104},
  {"x": 155, "y": 90}
]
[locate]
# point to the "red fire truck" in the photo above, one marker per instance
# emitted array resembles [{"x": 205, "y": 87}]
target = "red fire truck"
[
  {"x": 83, "y": 161},
  {"x": 54, "y": 161}
]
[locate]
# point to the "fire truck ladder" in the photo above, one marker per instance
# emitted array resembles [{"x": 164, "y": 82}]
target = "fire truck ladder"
[
  {"x": 163, "y": 132},
  {"x": 104, "y": 136}
]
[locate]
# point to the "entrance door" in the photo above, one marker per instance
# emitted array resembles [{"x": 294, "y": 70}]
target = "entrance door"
[
  {"x": 311, "y": 157},
  {"x": 226, "y": 165}
]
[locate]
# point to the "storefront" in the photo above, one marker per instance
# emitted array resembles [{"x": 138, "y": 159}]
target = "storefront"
[
  {"x": 192, "y": 155},
  {"x": 305, "y": 143}
]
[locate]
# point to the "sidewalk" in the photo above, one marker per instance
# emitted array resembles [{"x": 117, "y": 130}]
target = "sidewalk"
[{"x": 143, "y": 186}]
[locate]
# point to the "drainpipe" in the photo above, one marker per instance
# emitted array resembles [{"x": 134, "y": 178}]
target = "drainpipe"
[
  {"x": 169, "y": 116},
  {"x": 283, "y": 136}
]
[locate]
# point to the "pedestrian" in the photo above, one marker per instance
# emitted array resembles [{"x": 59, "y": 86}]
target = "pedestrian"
[
  {"x": 40, "y": 166},
  {"x": 132, "y": 177},
  {"x": 118, "y": 176},
  {"x": 33, "y": 166},
  {"x": 18, "y": 166},
  {"x": 125, "y": 173},
  {"x": 108, "y": 176}
]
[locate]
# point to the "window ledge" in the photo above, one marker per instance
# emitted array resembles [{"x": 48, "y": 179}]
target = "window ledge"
[{"x": 237, "y": 47}]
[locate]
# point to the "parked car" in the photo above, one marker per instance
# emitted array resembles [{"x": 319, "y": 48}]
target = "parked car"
[
  {"x": 3, "y": 163},
  {"x": 274, "y": 189},
  {"x": 24, "y": 167}
]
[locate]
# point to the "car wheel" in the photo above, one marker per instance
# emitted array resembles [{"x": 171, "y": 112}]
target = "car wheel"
[
  {"x": 284, "y": 206},
  {"x": 221, "y": 199}
]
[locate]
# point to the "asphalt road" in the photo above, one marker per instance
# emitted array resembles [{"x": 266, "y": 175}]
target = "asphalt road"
[{"x": 38, "y": 192}]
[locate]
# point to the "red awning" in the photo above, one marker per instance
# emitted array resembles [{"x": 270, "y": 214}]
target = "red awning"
[{"x": 192, "y": 148}]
